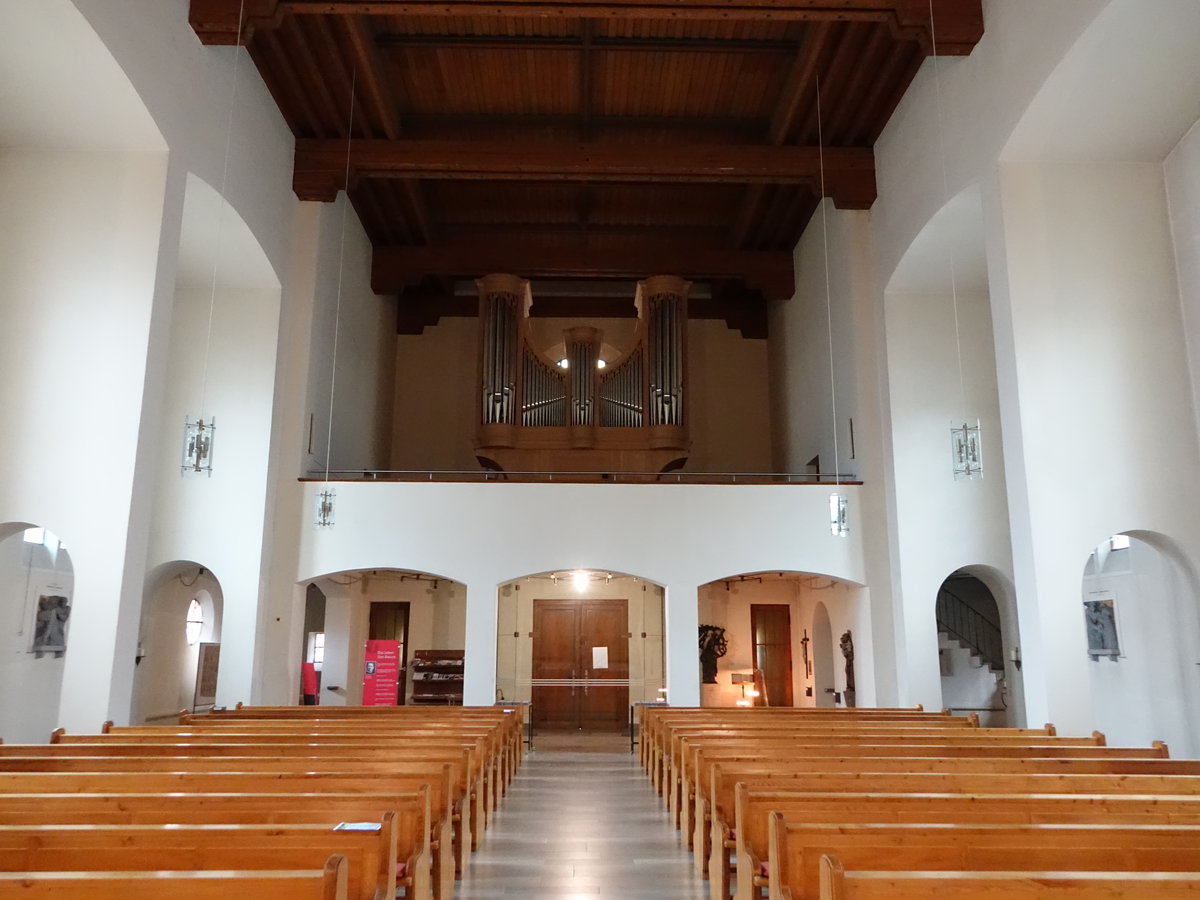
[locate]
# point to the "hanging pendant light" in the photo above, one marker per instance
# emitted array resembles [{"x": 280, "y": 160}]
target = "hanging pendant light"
[
  {"x": 327, "y": 496},
  {"x": 966, "y": 439},
  {"x": 199, "y": 434},
  {"x": 839, "y": 503}
]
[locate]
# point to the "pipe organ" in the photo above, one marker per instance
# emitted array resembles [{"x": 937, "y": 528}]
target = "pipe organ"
[
  {"x": 539, "y": 414},
  {"x": 622, "y": 394}
]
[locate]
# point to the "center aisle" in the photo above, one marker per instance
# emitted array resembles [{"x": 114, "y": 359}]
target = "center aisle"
[{"x": 581, "y": 825}]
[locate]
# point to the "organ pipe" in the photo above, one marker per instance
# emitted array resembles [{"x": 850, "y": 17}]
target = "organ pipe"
[{"x": 500, "y": 298}]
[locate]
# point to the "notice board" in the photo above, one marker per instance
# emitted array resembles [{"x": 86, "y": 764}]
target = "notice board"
[{"x": 381, "y": 673}]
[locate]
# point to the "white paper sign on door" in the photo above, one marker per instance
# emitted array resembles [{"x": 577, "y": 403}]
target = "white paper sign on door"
[{"x": 599, "y": 657}]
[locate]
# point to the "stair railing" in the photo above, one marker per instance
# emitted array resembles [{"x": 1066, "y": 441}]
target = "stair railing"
[{"x": 965, "y": 623}]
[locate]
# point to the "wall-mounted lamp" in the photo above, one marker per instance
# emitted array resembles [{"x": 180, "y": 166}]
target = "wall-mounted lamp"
[
  {"x": 140, "y": 654},
  {"x": 1015, "y": 655}
]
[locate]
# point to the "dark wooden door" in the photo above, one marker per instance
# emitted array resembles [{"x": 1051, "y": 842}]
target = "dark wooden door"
[
  {"x": 389, "y": 622},
  {"x": 771, "y": 626},
  {"x": 580, "y": 664}
]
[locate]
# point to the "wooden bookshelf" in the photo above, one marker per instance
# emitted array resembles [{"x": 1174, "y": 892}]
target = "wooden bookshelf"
[{"x": 437, "y": 677}]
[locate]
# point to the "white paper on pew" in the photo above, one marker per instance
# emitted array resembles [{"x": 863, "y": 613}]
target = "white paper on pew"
[
  {"x": 357, "y": 826},
  {"x": 599, "y": 657}
]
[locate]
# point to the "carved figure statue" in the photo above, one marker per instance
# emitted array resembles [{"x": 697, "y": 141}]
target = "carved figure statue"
[
  {"x": 713, "y": 646},
  {"x": 848, "y": 652}
]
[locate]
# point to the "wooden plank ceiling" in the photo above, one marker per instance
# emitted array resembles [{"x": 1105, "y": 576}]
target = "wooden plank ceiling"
[{"x": 573, "y": 140}]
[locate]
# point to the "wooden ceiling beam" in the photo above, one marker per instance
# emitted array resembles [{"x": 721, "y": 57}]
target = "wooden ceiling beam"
[
  {"x": 369, "y": 67},
  {"x": 393, "y": 268},
  {"x": 958, "y": 23},
  {"x": 597, "y": 42},
  {"x": 321, "y": 164}
]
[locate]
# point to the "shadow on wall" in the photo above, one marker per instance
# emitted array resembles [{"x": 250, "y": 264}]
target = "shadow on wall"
[{"x": 38, "y": 581}]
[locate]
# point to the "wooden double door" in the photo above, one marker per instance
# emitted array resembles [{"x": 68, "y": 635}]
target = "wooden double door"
[{"x": 581, "y": 664}]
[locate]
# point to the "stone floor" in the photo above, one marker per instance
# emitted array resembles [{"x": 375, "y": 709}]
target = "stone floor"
[{"x": 580, "y": 820}]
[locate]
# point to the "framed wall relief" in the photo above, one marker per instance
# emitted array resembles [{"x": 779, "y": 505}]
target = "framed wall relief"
[
  {"x": 1100, "y": 618},
  {"x": 50, "y": 621}
]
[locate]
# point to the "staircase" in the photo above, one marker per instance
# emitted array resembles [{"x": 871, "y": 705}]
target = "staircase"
[
  {"x": 971, "y": 653},
  {"x": 971, "y": 629}
]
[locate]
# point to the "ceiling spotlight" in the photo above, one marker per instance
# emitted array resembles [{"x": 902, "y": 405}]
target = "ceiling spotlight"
[{"x": 580, "y": 579}]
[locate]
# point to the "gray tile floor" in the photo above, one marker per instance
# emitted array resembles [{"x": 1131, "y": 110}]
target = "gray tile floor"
[{"x": 581, "y": 825}]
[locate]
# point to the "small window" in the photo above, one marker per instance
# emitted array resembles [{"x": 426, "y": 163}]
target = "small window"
[
  {"x": 35, "y": 535},
  {"x": 195, "y": 621},
  {"x": 1119, "y": 542},
  {"x": 316, "y": 649}
]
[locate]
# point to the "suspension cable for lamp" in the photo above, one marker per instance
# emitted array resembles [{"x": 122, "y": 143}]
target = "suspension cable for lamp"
[
  {"x": 937, "y": 93},
  {"x": 337, "y": 313},
  {"x": 212, "y": 298},
  {"x": 837, "y": 478}
]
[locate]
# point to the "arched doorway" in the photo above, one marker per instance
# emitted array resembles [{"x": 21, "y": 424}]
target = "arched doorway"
[
  {"x": 1139, "y": 621},
  {"x": 771, "y": 625},
  {"x": 971, "y": 650},
  {"x": 581, "y": 646},
  {"x": 421, "y": 620},
  {"x": 40, "y": 586},
  {"x": 179, "y": 639}
]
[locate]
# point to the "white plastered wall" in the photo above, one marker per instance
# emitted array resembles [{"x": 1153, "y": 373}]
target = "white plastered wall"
[
  {"x": 941, "y": 370},
  {"x": 678, "y": 536}
]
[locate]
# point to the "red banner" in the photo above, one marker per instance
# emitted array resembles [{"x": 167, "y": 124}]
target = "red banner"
[{"x": 381, "y": 673}]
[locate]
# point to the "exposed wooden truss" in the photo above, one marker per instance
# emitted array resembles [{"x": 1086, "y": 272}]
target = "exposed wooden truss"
[
  {"x": 569, "y": 138},
  {"x": 958, "y": 23},
  {"x": 848, "y": 172}
]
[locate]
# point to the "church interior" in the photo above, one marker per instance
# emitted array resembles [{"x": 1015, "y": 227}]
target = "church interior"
[{"x": 601, "y": 359}]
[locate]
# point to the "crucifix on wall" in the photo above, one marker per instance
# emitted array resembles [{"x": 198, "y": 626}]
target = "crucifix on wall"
[{"x": 807, "y": 661}]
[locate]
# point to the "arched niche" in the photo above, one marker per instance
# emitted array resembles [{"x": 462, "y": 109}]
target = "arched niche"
[
  {"x": 38, "y": 581},
  {"x": 581, "y": 645},
  {"x": 824, "y": 675},
  {"x": 421, "y": 611},
  {"x": 172, "y": 640},
  {"x": 977, "y": 658},
  {"x": 770, "y": 622},
  {"x": 1139, "y": 624}
]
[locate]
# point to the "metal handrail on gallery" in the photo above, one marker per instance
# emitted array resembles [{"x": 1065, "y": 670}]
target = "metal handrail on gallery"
[{"x": 492, "y": 476}]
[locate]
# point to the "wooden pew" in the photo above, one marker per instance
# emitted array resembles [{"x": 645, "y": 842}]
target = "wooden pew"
[
  {"x": 437, "y": 777},
  {"x": 408, "y": 813},
  {"x": 725, "y": 777},
  {"x": 328, "y": 883},
  {"x": 839, "y": 884},
  {"x": 754, "y": 808},
  {"x": 790, "y": 754},
  {"x": 371, "y": 862},
  {"x": 784, "y": 764},
  {"x": 361, "y": 732},
  {"x": 668, "y": 770},
  {"x": 664, "y": 753},
  {"x": 796, "y": 849},
  {"x": 267, "y": 758},
  {"x": 487, "y": 793}
]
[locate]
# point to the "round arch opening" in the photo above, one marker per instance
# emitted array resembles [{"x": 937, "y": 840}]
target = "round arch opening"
[
  {"x": 37, "y": 628},
  {"x": 1138, "y": 629},
  {"x": 768, "y": 639},
  {"x": 179, "y": 640},
  {"x": 382, "y": 637},
  {"x": 583, "y": 646}
]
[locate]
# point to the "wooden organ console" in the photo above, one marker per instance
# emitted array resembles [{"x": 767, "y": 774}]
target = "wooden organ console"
[{"x": 537, "y": 416}]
